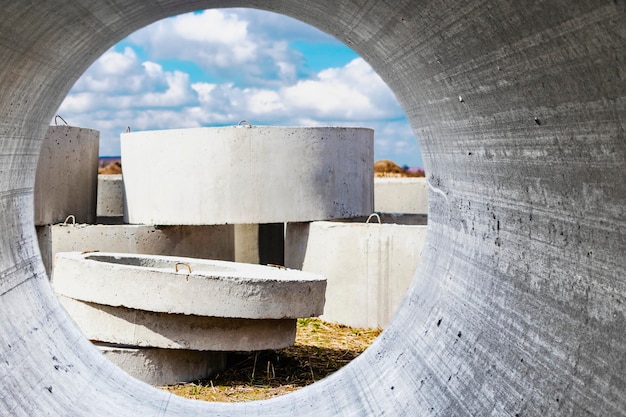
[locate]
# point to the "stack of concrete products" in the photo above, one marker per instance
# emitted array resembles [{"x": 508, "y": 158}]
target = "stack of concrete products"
[
  {"x": 369, "y": 263},
  {"x": 67, "y": 206},
  {"x": 70, "y": 198},
  {"x": 245, "y": 176},
  {"x": 374, "y": 280},
  {"x": 177, "y": 317}
]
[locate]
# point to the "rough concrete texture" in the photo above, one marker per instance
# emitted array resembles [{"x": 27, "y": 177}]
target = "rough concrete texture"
[
  {"x": 67, "y": 175},
  {"x": 208, "y": 242},
  {"x": 131, "y": 327},
  {"x": 165, "y": 366},
  {"x": 247, "y": 175},
  {"x": 110, "y": 201},
  {"x": 368, "y": 267},
  {"x": 401, "y": 195},
  {"x": 179, "y": 285},
  {"x": 247, "y": 243},
  {"x": 518, "y": 305}
]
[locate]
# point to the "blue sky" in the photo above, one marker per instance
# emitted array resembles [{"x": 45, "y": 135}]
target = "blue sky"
[{"x": 217, "y": 67}]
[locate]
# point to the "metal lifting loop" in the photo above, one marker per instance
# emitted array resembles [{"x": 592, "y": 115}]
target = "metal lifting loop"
[
  {"x": 373, "y": 215},
  {"x": 71, "y": 216},
  {"x": 184, "y": 264},
  {"x": 244, "y": 121},
  {"x": 55, "y": 120}
]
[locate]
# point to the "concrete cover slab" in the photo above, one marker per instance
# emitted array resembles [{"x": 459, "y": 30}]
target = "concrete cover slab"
[
  {"x": 181, "y": 285},
  {"x": 132, "y": 327},
  {"x": 165, "y": 366},
  {"x": 247, "y": 175}
]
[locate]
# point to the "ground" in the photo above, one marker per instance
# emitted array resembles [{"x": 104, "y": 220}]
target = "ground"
[{"x": 321, "y": 348}]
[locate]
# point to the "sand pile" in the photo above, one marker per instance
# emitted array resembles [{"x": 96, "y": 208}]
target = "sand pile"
[
  {"x": 387, "y": 168},
  {"x": 111, "y": 169}
]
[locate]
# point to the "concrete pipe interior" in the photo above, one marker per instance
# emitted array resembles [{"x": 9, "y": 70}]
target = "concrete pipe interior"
[{"x": 518, "y": 306}]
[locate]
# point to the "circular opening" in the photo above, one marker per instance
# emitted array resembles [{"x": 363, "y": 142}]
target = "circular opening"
[
  {"x": 144, "y": 83},
  {"x": 527, "y": 282}
]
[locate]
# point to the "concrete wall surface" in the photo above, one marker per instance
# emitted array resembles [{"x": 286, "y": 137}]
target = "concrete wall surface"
[
  {"x": 110, "y": 201},
  {"x": 179, "y": 285},
  {"x": 518, "y": 305},
  {"x": 244, "y": 175},
  {"x": 368, "y": 267},
  {"x": 401, "y": 195},
  {"x": 67, "y": 175},
  {"x": 205, "y": 242},
  {"x": 247, "y": 243}
]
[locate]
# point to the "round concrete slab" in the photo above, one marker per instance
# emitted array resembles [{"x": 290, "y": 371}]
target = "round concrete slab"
[
  {"x": 165, "y": 366},
  {"x": 244, "y": 175},
  {"x": 180, "y": 285},
  {"x": 131, "y": 327}
]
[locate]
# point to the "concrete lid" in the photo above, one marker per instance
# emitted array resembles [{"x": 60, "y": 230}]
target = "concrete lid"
[
  {"x": 140, "y": 328},
  {"x": 189, "y": 286}
]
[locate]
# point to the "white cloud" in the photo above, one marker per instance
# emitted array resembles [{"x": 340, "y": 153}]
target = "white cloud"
[
  {"x": 353, "y": 91},
  {"x": 204, "y": 91},
  {"x": 220, "y": 41},
  {"x": 265, "y": 102},
  {"x": 210, "y": 26},
  {"x": 213, "y": 38},
  {"x": 135, "y": 85},
  {"x": 115, "y": 72},
  {"x": 153, "y": 70},
  {"x": 77, "y": 103},
  {"x": 121, "y": 89},
  {"x": 337, "y": 96},
  {"x": 277, "y": 26},
  {"x": 115, "y": 63},
  {"x": 178, "y": 92}
]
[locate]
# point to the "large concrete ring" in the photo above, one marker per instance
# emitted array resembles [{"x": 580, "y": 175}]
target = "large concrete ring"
[
  {"x": 248, "y": 175},
  {"x": 178, "y": 285},
  {"x": 518, "y": 306}
]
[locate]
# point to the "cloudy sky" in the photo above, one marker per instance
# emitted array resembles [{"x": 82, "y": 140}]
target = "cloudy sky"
[{"x": 217, "y": 67}]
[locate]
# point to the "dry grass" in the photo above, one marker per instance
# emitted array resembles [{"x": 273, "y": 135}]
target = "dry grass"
[{"x": 321, "y": 348}]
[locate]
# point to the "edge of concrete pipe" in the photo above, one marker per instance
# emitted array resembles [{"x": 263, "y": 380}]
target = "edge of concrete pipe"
[{"x": 518, "y": 305}]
